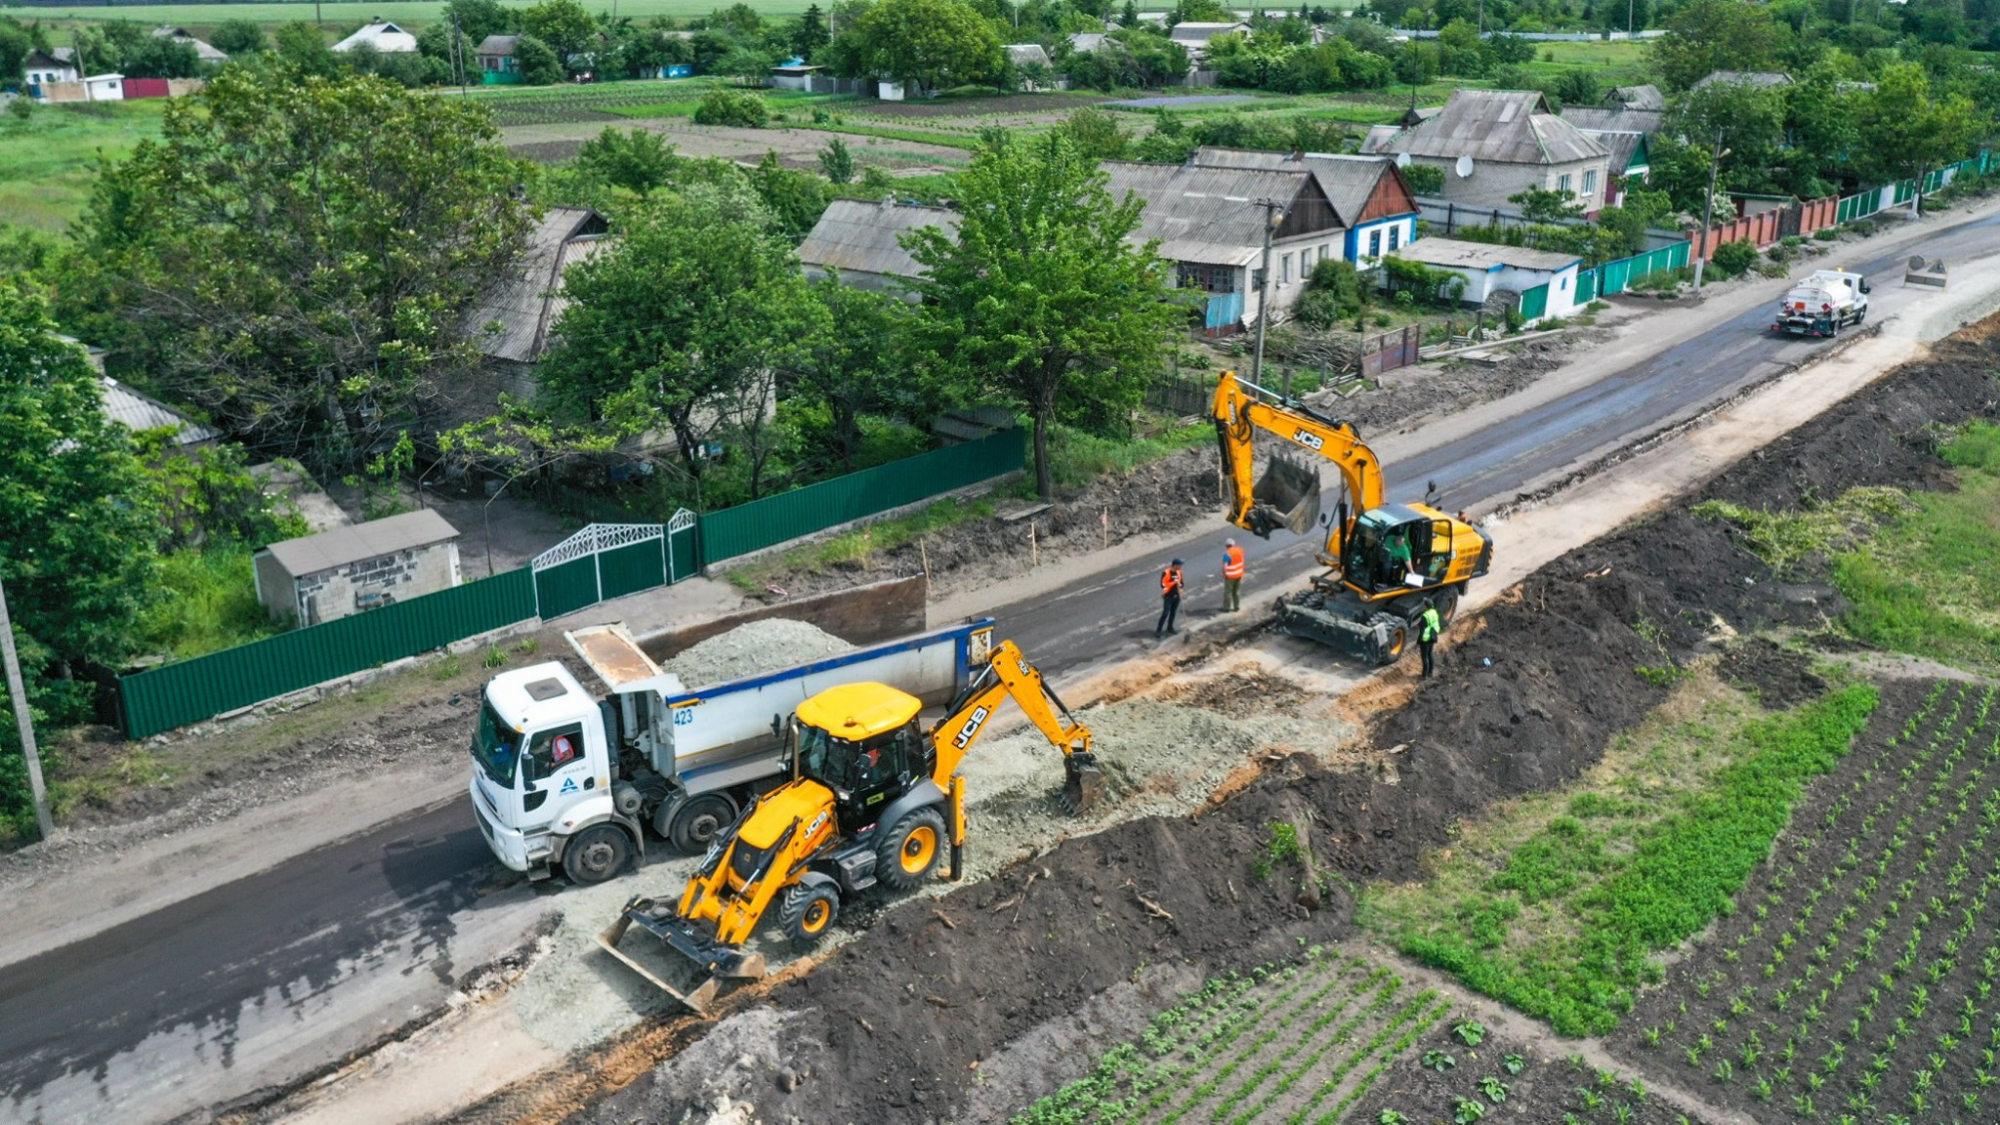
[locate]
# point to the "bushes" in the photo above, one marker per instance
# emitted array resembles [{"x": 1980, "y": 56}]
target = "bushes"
[
  {"x": 732, "y": 107},
  {"x": 1438, "y": 285},
  {"x": 1732, "y": 258},
  {"x": 1333, "y": 296}
]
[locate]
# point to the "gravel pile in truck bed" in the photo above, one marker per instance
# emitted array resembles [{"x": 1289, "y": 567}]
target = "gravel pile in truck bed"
[{"x": 753, "y": 649}]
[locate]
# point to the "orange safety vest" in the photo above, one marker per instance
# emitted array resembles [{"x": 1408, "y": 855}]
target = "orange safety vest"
[
  {"x": 1170, "y": 581},
  {"x": 1232, "y": 562}
]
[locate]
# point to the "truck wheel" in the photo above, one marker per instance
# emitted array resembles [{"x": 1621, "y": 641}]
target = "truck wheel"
[
  {"x": 1397, "y": 642},
  {"x": 1447, "y": 605},
  {"x": 692, "y": 822},
  {"x": 596, "y": 854},
  {"x": 908, "y": 852},
  {"x": 808, "y": 912}
]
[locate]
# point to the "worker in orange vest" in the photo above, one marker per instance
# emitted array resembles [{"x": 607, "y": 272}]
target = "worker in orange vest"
[
  {"x": 1232, "y": 576},
  {"x": 1171, "y": 584}
]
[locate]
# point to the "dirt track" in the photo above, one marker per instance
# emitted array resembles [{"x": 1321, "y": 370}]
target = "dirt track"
[{"x": 892, "y": 1027}]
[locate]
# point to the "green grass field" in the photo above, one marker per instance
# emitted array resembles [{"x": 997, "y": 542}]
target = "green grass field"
[
  {"x": 46, "y": 165},
  {"x": 419, "y": 12}
]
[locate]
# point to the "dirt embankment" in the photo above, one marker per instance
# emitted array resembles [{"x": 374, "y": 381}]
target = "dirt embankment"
[{"x": 892, "y": 1027}]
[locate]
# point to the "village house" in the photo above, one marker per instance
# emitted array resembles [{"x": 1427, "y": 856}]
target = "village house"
[
  {"x": 515, "y": 317},
  {"x": 1371, "y": 199},
  {"x": 1031, "y": 59},
  {"x": 203, "y": 51},
  {"x": 1195, "y": 37},
  {"x": 351, "y": 570},
  {"x": 1494, "y": 144},
  {"x": 45, "y": 68},
  {"x": 1541, "y": 283},
  {"x": 498, "y": 65},
  {"x": 857, "y": 240},
  {"x": 382, "y": 35}
]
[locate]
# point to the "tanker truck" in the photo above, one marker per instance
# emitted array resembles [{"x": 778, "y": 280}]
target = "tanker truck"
[
  {"x": 566, "y": 780},
  {"x": 1823, "y": 304}
]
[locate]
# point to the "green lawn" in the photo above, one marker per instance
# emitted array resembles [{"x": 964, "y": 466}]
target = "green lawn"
[{"x": 47, "y": 165}]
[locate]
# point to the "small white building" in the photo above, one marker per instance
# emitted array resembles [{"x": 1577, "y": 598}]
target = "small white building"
[
  {"x": 382, "y": 35},
  {"x": 354, "y": 569},
  {"x": 104, "y": 88},
  {"x": 1489, "y": 269}
]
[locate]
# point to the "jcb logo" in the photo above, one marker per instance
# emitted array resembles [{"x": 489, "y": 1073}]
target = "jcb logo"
[
  {"x": 972, "y": 724},
  {"x": 812, "y": 830},
  {"x": 1309, "y": 439}
]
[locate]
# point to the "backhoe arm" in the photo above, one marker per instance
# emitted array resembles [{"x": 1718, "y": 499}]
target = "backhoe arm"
[
  {"x": 1008, "y": 673},
  {"x": 1241, "y": 409}
]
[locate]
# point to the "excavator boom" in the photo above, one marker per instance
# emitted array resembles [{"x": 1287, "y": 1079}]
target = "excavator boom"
[
  {"x": 1288, "y": 494},
  {"x": 1008, "y": 673}
]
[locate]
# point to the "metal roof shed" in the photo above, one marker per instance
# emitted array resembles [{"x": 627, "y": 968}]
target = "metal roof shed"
[{"x": 352, "y": 569}]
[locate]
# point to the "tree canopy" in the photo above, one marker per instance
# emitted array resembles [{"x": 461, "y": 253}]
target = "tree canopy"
[
  {"x": 297, "y": 255},
  {"x": 928, "y": 44},
  {"x": 1041, "y": 297}
]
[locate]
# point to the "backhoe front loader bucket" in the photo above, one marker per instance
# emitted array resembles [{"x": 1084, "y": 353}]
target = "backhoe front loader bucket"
[
  {"x": 1286, "y": 496},
  {"x": 688, "y": 954},
  {"x": 1083, "y": 784}
]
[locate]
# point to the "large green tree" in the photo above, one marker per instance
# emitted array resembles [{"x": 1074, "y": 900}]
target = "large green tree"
[
  {"x": 1710, "y": 35},
  {"x": 679, "y": 319},
  {"x": 297, "y": 256},
  {"x": 1041, "y": 295},
  {"x": 565, "y": 25},
  {"x": 77, "y": 526},
  {"x": 928, "y": 44},
  {"x": 1908, "y": 128}
]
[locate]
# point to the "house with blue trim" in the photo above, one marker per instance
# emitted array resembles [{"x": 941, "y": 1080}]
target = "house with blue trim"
[{"x": 1370, "y": 196}]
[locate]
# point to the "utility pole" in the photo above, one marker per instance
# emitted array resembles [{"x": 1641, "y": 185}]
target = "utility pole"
[
  {"x": 1274, "y": 214},
  {"x": 17, "y": 695},
  {"x": 1628, "y": 18},
  {"x": 1707, "y": 211}
]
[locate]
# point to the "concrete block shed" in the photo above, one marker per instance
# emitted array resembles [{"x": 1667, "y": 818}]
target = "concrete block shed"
[
  {"x": 1490, "y": 269},
  {"x": 353, "y": 569}
]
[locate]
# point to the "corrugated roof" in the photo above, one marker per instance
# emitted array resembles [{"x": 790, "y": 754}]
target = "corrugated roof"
[
  {"x": 497, "y": 45},
  {"x": 860, "y": 235},
  {"x": 1506, "y": 126},
  {"x": 1614, "y": 119},
  {"x": 373, "y": 539},
  {"x": 1746, "y": 78},
  {"x": 1204, "y": 215},
  {"x": 527, "y": 298},
  {"x": 1621, "y": 145},
  {"x": 203, "y": 51},
  {"x": 1203, "y": 32},
  {"x": 1347, "y": 180},
  {"x": 1647, "y": 96},
  {"x": 1483, "y": 255},
  {"x": 1026, "y": 54},
  {"x": 1085, "y": 42},
  {"x": 137, "y": 411}
]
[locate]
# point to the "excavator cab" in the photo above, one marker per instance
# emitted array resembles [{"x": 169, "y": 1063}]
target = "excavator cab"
[
  {"x": 861, "y": 741},
  {"x": 1395, "y": 549}
]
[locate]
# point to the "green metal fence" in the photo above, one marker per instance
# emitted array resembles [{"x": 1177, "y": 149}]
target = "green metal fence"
[
  {"x": 1615, "y": 276},
  {"x": 1534, "y": 302},
  {"x": 192, "y": 690},
  {"x": 816, "y": 507}
]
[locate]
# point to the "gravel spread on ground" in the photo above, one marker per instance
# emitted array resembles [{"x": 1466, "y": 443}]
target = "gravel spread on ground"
[{"x": 754, "y": 649}]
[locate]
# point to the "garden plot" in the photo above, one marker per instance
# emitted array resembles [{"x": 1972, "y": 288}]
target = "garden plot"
[
  {"x": 1854, "y": 981},
  {"x": 1300, "y": 1043}
]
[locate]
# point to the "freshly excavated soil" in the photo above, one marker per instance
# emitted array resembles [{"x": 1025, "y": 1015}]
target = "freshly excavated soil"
[
  {"x": 900, "y": 1016},
  {"x": 753, "y": 649}
]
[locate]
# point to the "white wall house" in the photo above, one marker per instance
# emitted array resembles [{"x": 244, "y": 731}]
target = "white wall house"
[
  {"x": 382, "y": 35},
  {"x": 1489, "y": 269}
]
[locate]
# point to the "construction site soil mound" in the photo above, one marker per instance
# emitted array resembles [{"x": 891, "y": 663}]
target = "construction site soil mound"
[{"x": 900, "y": 1018}]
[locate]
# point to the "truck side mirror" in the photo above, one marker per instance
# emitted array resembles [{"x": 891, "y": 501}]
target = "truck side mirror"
[{"x": 1864, "y": 287}]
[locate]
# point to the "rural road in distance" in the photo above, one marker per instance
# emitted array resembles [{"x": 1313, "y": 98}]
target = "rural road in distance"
[{"x": 253, "y": 984}]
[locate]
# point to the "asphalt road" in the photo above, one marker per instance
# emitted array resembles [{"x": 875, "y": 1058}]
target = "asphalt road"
[{"x": 260, "y": 981}]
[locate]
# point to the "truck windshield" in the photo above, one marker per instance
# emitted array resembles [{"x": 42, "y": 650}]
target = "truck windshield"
[{"x": 497, "y": 747}]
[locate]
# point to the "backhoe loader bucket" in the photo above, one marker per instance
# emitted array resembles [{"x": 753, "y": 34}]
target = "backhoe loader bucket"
[
  {"x": 688, "y": 954},
  {"x": 1287, "y": 496},
  {"x": 1083, "y": 784}
]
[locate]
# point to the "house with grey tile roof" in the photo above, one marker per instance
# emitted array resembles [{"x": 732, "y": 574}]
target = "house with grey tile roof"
[
  {"x": 205, "y": 52},
  {"x": 859, "y": 241},
  {"x": 513, "y": 322},
  {"x": 138, "y": 411},
  {"x": 1373, "y": 202},
  {"x": 1493, "y": 144}
]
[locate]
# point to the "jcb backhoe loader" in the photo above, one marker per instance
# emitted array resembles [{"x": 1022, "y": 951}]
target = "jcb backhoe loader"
[
  {"x": 873, "y": 799},
  {"x": 1385, "y": 562}
]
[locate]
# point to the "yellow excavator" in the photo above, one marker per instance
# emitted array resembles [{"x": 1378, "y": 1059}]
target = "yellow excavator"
[
  {"x": 1385, "y": 562},
  {"x": 873, "y": 799}
]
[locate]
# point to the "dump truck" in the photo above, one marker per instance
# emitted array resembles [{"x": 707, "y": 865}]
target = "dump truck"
[
  {"x": 1823, "y": 304},
  {"x": 567, "y": 781},
  {"x": 875, "y": 798}
]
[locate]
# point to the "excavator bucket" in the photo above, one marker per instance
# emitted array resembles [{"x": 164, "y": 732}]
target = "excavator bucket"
[
  {"x": 693, "y": 967},
  {"x": 1287, "y": 496},
  {"x": 1083, "y": 784}
]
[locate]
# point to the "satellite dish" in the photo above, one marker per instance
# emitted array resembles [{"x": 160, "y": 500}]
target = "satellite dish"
[
  {"x": 1402, "y": 160},
  {"x": 1464, "y": 167}
]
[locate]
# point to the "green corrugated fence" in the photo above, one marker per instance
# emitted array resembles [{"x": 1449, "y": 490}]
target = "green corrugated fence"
[
  {"x": 1534, "y": 302},
  {"x": 816, "y": 507},
  {"x": 192, "y": 690},
  {"x": 1617, "y": 275}
]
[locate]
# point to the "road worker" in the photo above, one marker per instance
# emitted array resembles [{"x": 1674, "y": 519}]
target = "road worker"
[
  {"x": 1232, "y": 576},
  {"x": 1428, "y": 628},
  {"x": 1172, "y": 582}
]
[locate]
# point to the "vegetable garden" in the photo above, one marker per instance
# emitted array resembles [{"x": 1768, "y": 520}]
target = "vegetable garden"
[{"x": 1854, "y": 982}]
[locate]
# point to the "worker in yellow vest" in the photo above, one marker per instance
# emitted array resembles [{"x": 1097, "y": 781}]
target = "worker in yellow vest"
[{"x": 1232, "y": 576}]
